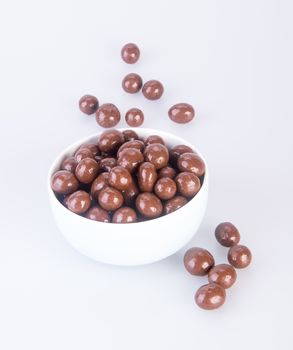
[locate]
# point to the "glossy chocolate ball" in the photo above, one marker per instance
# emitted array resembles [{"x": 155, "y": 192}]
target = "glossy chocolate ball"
[
  {"x": 79, "y": 202},
  {"x": 210, "y": 296},
  {"x": 167, "y": 171},
  {"x": 107, "y": 115},
  {"x": 92, "y": 147},
  {"x": 87, "y": 170},
  {"x": 165, "y": 188},
  {"x": 188, "y": 184},
  {"x": 98, "y": 214},
  {"x": 130, "y": 158},
  {"x": 198, "y": 261},
  {"x": 152, "y": 90},
  {"x": 64, "y": 182},
  {"x": 157, "y": 154},
  {"x": 176, "y": 151},
  {"x": 146, "y": 176},
  {"x": 130, "y": 53},
  {"x": 124, "y": 215},
  {"x": 82, "y": 154},
  {"x": 110, "y": 140},
  {"x": 227, "y": 234},
  {"x": 119, "y": 178},
  {"x": 149, "y": 205},
  {"x": 130, "y": 194},
  {"x": 130, "y": 135},
  {"x": 134, "y": 117},
  {"x": 181, "y": 113},
  {"x": 110, "y": 198},
  {"x": 132, "y": 83},
  {"x": 223, "y": 274},
  {"x": 154, "y": 139},
  {"x": 174, "y": 204},
  {"x": 131, "y": 144},
  {"x": 99, "y": 183},
  {"x": 191, "y": 162},
  {"x": 239, "y": 256},
  {"x": 69, "y": 164},
  {"x": 108, "y": 163},
  {"x": 88, "y": 104}
]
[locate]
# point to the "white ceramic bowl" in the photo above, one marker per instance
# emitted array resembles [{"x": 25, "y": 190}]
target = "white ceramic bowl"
[{"x": 135, "y": 243}]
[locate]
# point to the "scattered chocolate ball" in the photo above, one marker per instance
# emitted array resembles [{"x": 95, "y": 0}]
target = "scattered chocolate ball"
[
  {"x": 82, "y": 154},
  {"x": 130, "y": 53},
  {"x": 98, "y": 184},
  {"x": 239, "y": 256},
  {"x": 129, "y": 135},
  {"x": 107, "y": 115},
  {"x": 153, "y": 90},
  {"x": 198, "y": 261},
  {"x": 174, "y": 204},
  {"x": 157, "y": 154},
  {"x": 130, "y": 158},
  {"x": 165, "y": 188},
  {"x": 223, "y": 274},
  {"x": 154, "y": 139},
  {"x": 181, "y": 113},
  {"x": 98, "y": 214},
  {"x": 149, "y": 205},
  {"x": 146, "y": 177},
  {"x": 79, "y": 202},
  {"x": 210, "y": 296},
  {"x": 191, "y": 162},
  {"x": 227, "y": 234},
  {"x": 69, "y": 164},
  {"x": 64, "y": 182},
  {"x": 108, "y": 163},
  {"x": 131, "y": 144},
  {"x": 92, "y": 147},
  {"x": 132, "y": 83},
  {"x": 110, "y": 141},
  {"x": 87, "y": 170},
  {"x": 124, "y": 215},
  {"x": 88, "y": 104},
  {"x": 188, "y": 184},
  {"x": 110, "y": 198},
  {"x": 167, "y": 171},
  {"x": 119, "y": 178},
  {"x": 134, "y": 117}
]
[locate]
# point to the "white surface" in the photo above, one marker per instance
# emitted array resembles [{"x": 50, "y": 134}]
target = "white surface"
[
  {"x": 137, "y": 243},
  {"x": 235, "y": 66}
]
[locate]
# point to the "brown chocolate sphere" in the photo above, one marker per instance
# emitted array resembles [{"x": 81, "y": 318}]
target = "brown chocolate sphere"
[
  {"x": 176, "y": 151},
  {"x": 79, "y": 202},
  {"x": 88, "y": 104},
  {"x": 174, "y": 204},
  {"x": 239, "y": 256},
  {"x": 124, "y": 215},
  {"x": 130, "y": 194},
  {"x": 165, "y": 188},
  {"x": 191, "y": 162},
  {"x": 110, "y": 198},
  {"x": 149, "y": 205},
  {"x": 92, "y": 147},
  {"x": 146, "y": 177},
  {"x": 157, "y": 154},
  {"x": 98, "y": 214},
  {"x": 69, "y": 164},
  {"x": 131, "y": 144},
  {"x": 130, "y": 158},
  {"x": 65, "y": 200},
  {"x": 152, "y": 90},
  {"x": 107, "y": 115},
  {"x": 198, "y": 261},
  {"x": 119, "y": 178},
  {"x": 130, "y": 135},
  {"x": 99, "y": 183},
  {"x": 132, "y": 83},
  {"x": 134, "y": 117},
  {"x": 181, "y": 113},
  {"x": 154, "y": 139},
  {"x": 188, "y": 184},
  {"x": 82, "y": 154},
  {"x": 210, "y": 296},
  {"x": 87, "y": 170},
  {"x": 223, "y": 274},
  {"x": 110, "y": 140},
  {"x": 64, "y": 182},
  {"x": 108, "y": 163},
  {"x": 167, "y": 171},
  {"x": 130, "y": 53},
  {"x": 227, "y": 234}
]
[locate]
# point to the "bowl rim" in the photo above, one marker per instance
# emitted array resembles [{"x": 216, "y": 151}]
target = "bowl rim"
[{"x": 149, "y": 131}]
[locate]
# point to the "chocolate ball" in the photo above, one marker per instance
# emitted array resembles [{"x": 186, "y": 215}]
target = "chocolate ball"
[
  {"x": 82, "y": 154},
  {"x": 149, "y": 205},
  {"x": 119, "y": 178},
  {"x": 79, "y": 202},
  {"x": 130, "y": 194},
  {"x": 131, "y": 144},
  {"x": 210, "y": 296},
  {"x": 130, "y": 135},
  {"x": 181, "y": 113},
  {"x": 107, "y": 163},
  {"x": 132, "y": 83},
  {"x": 157, "y": 154},
  {"x": 130, "y": 158},
  {"x": 110, "y": 198},
  {"x": 191, "y": 162},
  {"x": 239, "y": 256},
  {"x": 227, "y": 234},
  {"x": 98, "y": 214},
  {"x": 198, "y": 261},
  {"x": 134, "y": 117},
  {"x": 92, "y": 147},
  {"x": 154, "y": 139},
  {"x": 107, "y": 115},
  {"x": 65, "y": 200},
  {"x": 99, "y": 183},
  {"x": 167, "y": 171},
  {"x": 152, "y": 90},
  {"x": 146, "y": 177},
  {"x": 130, "y": 53},
  {"x": 64, "y": 182},
  {"x": 69, "y": 164},
  {"x": 176, "y": 151},
  {"x": 165, "y": 188},
  {"x": 174, "y": 204},
  {"x": 188, "y": 184},
  {"x": 124, "y": 215},
  {"x": 110, "y": 140},
  {"x": 223, "y": 274},
  {"x": 88, "y": 104},
  {"x": 87, "y": 170}
]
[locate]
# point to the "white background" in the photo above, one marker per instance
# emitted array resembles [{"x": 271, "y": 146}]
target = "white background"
[{"x": 233, "y": 61}]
